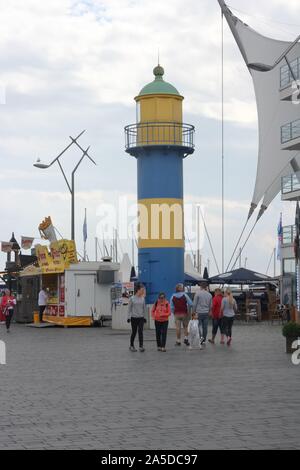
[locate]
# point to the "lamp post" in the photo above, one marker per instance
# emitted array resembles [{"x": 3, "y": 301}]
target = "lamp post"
[{"x": 71, "y": 186}]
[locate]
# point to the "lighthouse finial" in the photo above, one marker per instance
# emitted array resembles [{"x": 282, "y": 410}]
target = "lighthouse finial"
[{"x": 158, "y": 71}]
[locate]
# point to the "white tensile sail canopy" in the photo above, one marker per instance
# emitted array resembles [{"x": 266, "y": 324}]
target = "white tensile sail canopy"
[{"x": 273, "y": 113}]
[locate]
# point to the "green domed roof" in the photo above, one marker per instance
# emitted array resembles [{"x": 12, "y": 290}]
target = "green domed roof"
[{"x": 159, "y": 86}]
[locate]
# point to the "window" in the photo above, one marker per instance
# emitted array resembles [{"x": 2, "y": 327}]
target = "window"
[
  {"x": 289, "y": 266},
  {"x": 138, "y": 112},
  {"x": 286, "y": 77}
]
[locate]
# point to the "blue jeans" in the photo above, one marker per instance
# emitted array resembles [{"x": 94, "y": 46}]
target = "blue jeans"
[{"x": 203, "y": 327}]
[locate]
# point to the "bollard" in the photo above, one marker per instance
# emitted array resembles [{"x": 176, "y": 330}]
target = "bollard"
[{"x": 36, "y": 317}]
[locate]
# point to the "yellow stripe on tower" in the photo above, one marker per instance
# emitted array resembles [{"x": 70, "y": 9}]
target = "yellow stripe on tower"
[{"x": 161, "y": 223}]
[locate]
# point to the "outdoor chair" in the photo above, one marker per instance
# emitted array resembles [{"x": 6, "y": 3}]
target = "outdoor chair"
[
  {"x": 251, "y": 314},
  {"x": 278, "y": 314}
]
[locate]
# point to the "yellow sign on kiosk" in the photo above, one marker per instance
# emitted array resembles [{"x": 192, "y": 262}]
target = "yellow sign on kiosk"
[{"x": 62, "y": 254}]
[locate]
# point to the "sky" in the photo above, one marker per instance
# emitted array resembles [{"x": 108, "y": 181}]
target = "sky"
[{"x": 71, "y": 65}]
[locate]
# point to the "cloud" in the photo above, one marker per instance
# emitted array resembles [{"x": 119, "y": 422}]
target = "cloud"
[{"x": 71, "y": 65}]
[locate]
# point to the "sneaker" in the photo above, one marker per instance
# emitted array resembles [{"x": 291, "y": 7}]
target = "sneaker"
[
  {"x": 163, "y": 350},
  {"x": 159, "y": 349},
  {"x": 178, "y": 343},
  {"x": 132, "y": 349},
  {"x": 141, "y": 349},
  {"x": 202, "y": 341},
  {"x": 186, "y": 342}
]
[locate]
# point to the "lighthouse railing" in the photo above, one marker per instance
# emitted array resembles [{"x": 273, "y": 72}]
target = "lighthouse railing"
[{"x": 159, "y": 133}]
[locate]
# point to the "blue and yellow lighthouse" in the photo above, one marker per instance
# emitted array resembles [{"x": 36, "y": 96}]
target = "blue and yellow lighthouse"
[{"x": 160, "y": 141}]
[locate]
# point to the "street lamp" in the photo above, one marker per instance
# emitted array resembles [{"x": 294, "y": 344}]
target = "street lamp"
[{"x": 71, "y": 186}]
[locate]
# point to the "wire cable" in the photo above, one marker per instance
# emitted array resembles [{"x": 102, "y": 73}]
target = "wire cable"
[
  {"x": 272, "y": 256},
  {"x": 190, "y": 243},
  {"x": 237, "y": 244},
  {"x": 209, "y": 240},
  {"x": 244, "y": 245}
]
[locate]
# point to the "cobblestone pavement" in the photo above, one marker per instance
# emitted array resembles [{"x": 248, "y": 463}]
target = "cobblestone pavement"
[{"x": 83, "y": 389}]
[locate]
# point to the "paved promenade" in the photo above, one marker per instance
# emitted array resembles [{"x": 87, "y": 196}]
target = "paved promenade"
[{"x": 83, "y": 389}]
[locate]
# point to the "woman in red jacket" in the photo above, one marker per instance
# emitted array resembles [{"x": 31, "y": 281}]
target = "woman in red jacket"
[
  {"x": 161, "y": 311},
  {"x": 8, "y": 303},
  {"x": 217, "y": 316}
]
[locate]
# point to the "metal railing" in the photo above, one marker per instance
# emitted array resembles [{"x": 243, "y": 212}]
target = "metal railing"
[
  {"x": 159, "y": 133},
  {"x": 290, "y": 131},
  {"x": 286, "y": 77},
  {"x": 289, "y": 234},
  {"x": 290, "y": 183}
]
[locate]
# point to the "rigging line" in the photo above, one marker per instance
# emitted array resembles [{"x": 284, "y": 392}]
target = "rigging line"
[
  {"x": 237, "y": 244},
  {"x": 265, "y": 17},
  {"x": 99, "y": 246},
  {"x": 190, "y": 243},
  {"x": 209, "y": 240},
  {"x": 104, "y": 246},
  {"x": 120, "y": 244},
  {"x": 223, "y": 148},
  {"x": 295, "y": 155},
  {"x": 270, "y": 262},
  {"x": 245, "y": 243},
  {"x": 286, "y": 166},
  {"x": 56, "y": 229}
]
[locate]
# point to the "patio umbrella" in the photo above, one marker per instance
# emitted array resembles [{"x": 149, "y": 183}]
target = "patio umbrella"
[{"x": 240, "y": 276}]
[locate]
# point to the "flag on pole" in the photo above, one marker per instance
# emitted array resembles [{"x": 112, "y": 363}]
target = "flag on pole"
[
  {"x": 280, "y": 237},
  {"x": 6, "y": 247},
  {"x": 26, "y": 242},
  {"x": 85, "y": 228}
]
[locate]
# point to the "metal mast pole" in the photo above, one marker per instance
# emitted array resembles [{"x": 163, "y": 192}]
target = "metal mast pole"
[
  {"x": 198, "y": 239},
  {"x": 116, "y": 245},
  {"x": 223, "y": 155},
  {"x": 73, "y": 207},
  {"x": 132, "y": 247}
]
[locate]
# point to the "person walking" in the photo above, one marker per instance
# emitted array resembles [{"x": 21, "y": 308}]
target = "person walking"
[
  {"x": 8, "y": 303},
  {"x": 229, "y": 310},
  {"x": 42, "y": 303},
  {"x": 193, "y": 331},
  {"x": 180, "y": 306},
  {"x": 137, "y": 317},
  {"x": 161, "y": 312},
  {"x": 217, "y": 316},
  {"x": 202, "y": 307}
]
